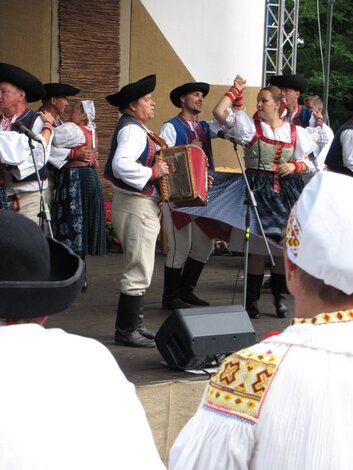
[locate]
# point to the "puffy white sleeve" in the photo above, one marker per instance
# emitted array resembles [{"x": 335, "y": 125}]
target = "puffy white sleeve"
[
  {"x": 168, "y": 133},
  {"x": 213, "y": 441},
  {"x": 131, "y": 144},
  {"x": 68, "y": 135},
  {"x": 304, "y": 146},
  {"x": 16, "y": 152},
  {"x": 238, "y": 123},
  {"x": 323, "y": 138}
]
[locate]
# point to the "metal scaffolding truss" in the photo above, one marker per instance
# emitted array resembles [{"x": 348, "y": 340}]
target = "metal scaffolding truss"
[{"x": 281, "y": 36}]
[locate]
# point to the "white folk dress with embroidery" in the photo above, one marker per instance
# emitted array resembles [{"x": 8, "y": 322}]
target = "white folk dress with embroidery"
[{"x": 283, "y": 404}]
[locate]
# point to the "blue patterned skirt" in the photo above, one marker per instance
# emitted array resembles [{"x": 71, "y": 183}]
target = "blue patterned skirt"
[
  {"x": 78, "y": 217},
  {"x": 227, "y": 205},
  {"x": 4, "y": 203}
]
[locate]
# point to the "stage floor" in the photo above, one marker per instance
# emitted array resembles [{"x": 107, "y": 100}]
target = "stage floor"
[{"x": 93, "y": 313}]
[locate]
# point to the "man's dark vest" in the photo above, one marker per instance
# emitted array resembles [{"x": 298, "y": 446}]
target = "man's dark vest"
[
  {"x": 185, "y": 136},
  {"x": 303, "y": 117},
  {"x": 334, "y": 158},
  {"x": 27, "y": 119},
  {"x": 146, "y": 158}
]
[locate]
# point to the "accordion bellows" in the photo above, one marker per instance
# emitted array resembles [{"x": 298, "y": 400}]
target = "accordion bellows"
[{"x": 186, "y": 185}]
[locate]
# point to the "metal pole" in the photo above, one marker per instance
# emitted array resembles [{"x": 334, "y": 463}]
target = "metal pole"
[
  {"x": 279, "y": 64},
  {"x": 295, "y": 36},
  {"x": 327, "y": 57}
]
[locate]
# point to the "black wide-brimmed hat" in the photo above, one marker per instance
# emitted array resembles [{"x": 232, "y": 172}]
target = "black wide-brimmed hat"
[
  {"x": 59, "y": 89},
  {"x": 22, "y": 79},
  {"x": 38, "y": 275},
  {"x": 294, "y": 82},
  {"x": 182, "y": 90},
  {"x": 132, "y": 92}
]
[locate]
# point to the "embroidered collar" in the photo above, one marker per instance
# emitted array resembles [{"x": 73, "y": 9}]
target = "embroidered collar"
[{"x": 324, "y": 318}]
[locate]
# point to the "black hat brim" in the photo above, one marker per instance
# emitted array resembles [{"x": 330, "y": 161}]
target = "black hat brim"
[
  {"x": 187, "y": 88},
  {"x": 132, "y": 92},
  {"x": 24, "y": 80},
  {"x": 27, "y": 299},
  {"x": 293, "y": 82},
  {"x": 59, "y": 89}
]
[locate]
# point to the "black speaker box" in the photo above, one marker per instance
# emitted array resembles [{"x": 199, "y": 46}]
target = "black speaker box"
[{"x": 189, "y": 337}]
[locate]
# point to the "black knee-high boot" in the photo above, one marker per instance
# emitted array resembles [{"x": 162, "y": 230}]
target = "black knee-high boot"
[
  {"x": 141, "y": 327},
  {"x": 127, "y": 323},
  {"x": 254, "y": 282},
  {"x": 171, "y": 294},
  {"x": 191, "y": 273},
  {"x": 279, "y": 291}
]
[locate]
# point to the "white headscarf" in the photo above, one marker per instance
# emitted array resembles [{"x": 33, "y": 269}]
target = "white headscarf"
[
  {"x": 89, "y": 109},
  {"x": 320, "y": 228}
]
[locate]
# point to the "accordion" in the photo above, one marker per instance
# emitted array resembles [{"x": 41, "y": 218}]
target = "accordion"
[{"x": 186, "y": 184}]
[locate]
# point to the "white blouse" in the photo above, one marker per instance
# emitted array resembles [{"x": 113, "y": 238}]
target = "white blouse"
[
  {"x": 283, "y": 404},
  {"x": 242, "y": 127}
]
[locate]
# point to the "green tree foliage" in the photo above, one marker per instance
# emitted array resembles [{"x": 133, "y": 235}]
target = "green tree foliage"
[{"x": 312, "y": 19}]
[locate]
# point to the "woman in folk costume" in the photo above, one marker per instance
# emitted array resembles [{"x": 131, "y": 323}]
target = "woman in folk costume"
[
  {"x": 78, "y": 215},
  {"x": 276, "y": 154}
]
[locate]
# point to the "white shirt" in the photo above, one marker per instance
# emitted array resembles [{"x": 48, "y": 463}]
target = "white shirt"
[
  {"x": 15, "y": 151},
  {"x": 283, "y": 404},
  {"x": 346, "y": 139},
  {"x": 131, "y": 144},
  {"x": 66, "y": 405},
  {"x": 169, "y": 133}
]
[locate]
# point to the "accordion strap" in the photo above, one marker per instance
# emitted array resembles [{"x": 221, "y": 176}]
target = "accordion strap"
[{"x": 158, "y": 140}]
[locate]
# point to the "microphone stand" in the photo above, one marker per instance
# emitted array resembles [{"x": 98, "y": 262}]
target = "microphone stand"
[
  {"x": 44, "y": 213},
  {"x": 250, "y": 203}
]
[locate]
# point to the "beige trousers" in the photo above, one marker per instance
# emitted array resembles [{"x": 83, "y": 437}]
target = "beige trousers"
[
  {"x": 136, "y": 223},
  {"x": 29, "y": 205}
]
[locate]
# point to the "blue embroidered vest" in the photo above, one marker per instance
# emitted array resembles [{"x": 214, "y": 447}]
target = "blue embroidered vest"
[
  {"x": 146, "y": 158},
  {"x": 185, "y": 136},
  {"x": 303, "y": 117},
  {"x": 334, "y": 159}
]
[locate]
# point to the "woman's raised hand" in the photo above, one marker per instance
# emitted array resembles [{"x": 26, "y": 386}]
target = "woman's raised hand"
[{"x": 239, "y": 82}]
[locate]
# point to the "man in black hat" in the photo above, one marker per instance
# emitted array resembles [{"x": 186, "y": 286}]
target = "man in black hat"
[
  {"x": 133, "y": 171},
  {"x": 55, "y": 102},
  {"x": 65, "y": 402},
  {"x": 340, "y": 155},
  {"x": 292, "y": 86},
  {"x": 17, "y": 88},
  {"x": 189, "y": 247}
]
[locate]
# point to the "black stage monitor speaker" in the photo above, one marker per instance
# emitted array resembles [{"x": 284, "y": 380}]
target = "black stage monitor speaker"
[{"x": 189, "y": 337}]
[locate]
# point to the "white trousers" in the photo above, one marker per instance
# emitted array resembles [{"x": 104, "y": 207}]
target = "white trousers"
[
  {"x": 189, "y": 241},
  {"x": 136, "y": 223}
]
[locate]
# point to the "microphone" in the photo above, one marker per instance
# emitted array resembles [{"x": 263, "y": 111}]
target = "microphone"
[
  {"x": 224, "y": 135},
  {"x": 30, "y": 134}
]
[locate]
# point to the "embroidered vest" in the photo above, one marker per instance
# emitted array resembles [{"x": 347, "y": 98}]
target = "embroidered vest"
[
  {"x": 27, "y": 119},
  {"x": 266, "y": 154},
  {"x": 334, "y": 159},
  {"x": 303, "y": 117},
  {"x": 146, "y": 158},
  {"x": 185, "y": 135}
]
